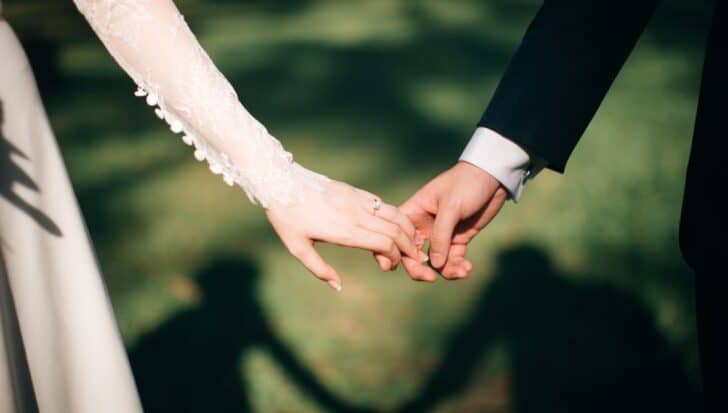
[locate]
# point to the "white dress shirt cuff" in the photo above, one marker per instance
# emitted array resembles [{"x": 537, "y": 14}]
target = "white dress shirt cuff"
[{"x": 504, "y": 160}]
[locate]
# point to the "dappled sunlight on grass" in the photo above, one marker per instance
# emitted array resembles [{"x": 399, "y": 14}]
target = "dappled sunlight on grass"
[{"x": 384, "y": 95}]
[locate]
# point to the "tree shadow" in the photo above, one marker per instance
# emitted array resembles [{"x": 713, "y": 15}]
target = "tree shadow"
[
  {"x": 572, "y": 346},
  {"x": 369, "y": 86},
  {"x": 191, "y": 362},
  {"x": 365, "y": 86},
  {"x": 12, "y": 174}
]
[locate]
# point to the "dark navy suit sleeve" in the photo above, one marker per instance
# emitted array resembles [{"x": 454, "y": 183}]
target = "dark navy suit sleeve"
[{"x": 567, "y": 60}]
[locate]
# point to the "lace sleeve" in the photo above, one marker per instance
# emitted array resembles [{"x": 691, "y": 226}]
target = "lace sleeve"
[{"x": 152, "y": 43}]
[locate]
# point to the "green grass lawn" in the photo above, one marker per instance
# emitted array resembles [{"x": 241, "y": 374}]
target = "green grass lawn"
[{"x": 579, "y": 287}]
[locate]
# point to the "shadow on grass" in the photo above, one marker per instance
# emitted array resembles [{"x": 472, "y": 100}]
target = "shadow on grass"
[
  {"x": 366, "y": 87},
  {"x": 573, "y": 346},
  {"x": 190, "y": 363}
]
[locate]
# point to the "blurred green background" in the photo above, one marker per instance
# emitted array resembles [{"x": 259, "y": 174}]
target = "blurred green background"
[{"x": 580, "y": 300}]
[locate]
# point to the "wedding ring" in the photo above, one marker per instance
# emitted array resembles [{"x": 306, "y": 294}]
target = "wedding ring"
[{"x": 376, "y": 206}]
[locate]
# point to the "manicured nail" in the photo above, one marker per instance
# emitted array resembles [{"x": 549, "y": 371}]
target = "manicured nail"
[
  {"x": 437, "y": 259},
  {"x": 335, "y": 285},
  {"x": 423, "y": 257}
]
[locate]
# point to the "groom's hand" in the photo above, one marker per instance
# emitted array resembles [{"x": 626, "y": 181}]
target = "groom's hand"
[{"x": 450, "y": 211}]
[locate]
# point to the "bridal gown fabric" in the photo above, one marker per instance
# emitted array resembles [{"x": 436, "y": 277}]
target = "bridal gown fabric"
[{"x": 60, "y": 348}]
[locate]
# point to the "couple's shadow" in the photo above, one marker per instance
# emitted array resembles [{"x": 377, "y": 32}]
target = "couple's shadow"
[
  {"x": 191, "y": 362},
  {"x": 572, "y": 346}
]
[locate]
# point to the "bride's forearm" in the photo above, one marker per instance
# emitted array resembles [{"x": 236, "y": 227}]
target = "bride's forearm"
[{"x": 152, "y": 43}]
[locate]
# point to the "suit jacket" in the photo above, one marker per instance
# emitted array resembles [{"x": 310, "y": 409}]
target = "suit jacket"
[{"x": 568, "y": 59}]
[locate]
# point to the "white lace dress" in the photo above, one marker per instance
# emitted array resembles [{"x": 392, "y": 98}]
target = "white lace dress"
[
  {"x": 60, "y": 349},
  {"x": 152, "y": 43}
]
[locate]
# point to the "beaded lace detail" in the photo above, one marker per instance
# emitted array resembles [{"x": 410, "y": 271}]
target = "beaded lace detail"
[{"x": 152, "y": 43}]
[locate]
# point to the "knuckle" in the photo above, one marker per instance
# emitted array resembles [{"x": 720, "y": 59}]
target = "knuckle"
[
  {"x": 389, "y": 231},
  {"x": 391, "y": 227},
  {"x": 451, "y": 203},
  {"x": 350, "y": 237},
  {"x": 409, "y": 230},
  {"x": 399, "y": 234},
  {"x": 388, "y": 245}
]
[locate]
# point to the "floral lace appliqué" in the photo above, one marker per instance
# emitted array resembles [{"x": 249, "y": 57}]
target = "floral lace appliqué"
[{"x": 152, "y": 42}]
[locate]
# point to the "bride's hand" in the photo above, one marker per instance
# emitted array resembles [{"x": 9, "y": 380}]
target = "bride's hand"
[{"x": 343, "y": 215}]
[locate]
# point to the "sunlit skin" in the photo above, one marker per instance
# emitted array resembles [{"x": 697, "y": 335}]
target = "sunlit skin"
[
  {"x": 450, "y": 211},
  {"x": 342, "y": 215}
]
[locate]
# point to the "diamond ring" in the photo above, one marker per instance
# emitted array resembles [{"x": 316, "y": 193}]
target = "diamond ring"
[{"x": 377, "y": 205}]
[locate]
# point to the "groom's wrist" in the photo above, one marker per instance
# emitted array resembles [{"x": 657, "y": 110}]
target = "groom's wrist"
[{"x": 502, "y": 158}]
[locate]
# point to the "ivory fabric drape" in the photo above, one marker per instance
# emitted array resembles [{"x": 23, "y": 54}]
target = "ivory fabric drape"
[{"x": 60, "y": 348}]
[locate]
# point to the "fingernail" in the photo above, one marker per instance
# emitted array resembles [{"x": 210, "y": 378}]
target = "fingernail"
[
  {"x": 335, "y": 285},
  {"x": 423, "y": 257},
  {"x": 418, "y": 239},
  {"x": 437, "y": 259}
]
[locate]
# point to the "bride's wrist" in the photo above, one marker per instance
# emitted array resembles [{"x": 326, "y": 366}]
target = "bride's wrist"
[{"x": 288, "y": 188}]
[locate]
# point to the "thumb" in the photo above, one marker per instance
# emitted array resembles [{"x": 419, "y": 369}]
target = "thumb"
[
  {"x": 413, "y": 208},
  {"x": 310, "y": 258},
  {"x": 409, "y": 207},
  {"x": 445, "y": 222}
]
